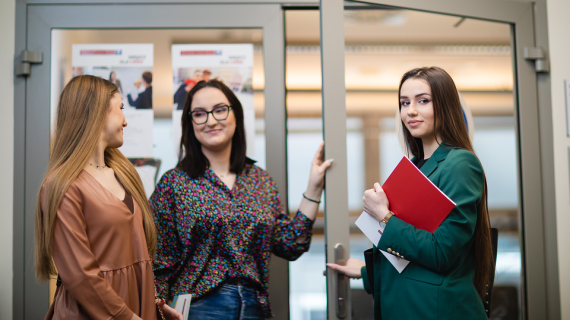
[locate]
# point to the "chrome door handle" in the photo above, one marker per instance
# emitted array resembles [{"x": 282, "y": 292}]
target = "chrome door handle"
[{"x": 340, "y": 257}]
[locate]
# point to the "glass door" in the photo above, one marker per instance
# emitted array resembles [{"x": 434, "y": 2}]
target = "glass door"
[
  {"x": 482, "y": 47},
  {"x": 54, "y": 29}
]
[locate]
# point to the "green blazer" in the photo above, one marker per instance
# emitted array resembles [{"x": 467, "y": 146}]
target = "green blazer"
[{"x": 438, "y": 282}]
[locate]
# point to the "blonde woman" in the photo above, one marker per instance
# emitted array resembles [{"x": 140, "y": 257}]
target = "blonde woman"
[{"x": 93, "y": 223}]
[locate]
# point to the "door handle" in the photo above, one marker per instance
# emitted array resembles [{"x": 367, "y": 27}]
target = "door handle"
[{"x": 340, "y": 257}]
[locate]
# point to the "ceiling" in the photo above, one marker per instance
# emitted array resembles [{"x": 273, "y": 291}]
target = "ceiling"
[{"x": 398, "y": 27}]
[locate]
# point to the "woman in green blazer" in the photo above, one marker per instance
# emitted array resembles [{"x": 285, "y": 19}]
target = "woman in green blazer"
[{"x": 450, "y": 268}]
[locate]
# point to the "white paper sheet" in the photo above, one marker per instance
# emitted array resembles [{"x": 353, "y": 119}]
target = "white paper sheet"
[
  {"x": 373, "y": 229},
  {"x": 137, "y": 135},
  {"x": 182, "y": 304},
  {"x": 147, "y": 173}
]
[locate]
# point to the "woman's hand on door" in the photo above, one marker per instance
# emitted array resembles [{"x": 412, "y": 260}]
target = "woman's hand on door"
[
  {"x": 312, "y": 196},
  {"x": 351, "y": 269},
  {"x": 317, "y": 176}
]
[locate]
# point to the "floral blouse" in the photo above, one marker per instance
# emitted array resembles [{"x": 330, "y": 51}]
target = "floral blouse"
[{"x": 209, "y": 235}]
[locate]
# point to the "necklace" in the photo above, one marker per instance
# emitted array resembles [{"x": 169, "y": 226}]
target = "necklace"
[{"x": 97, "y": 167}]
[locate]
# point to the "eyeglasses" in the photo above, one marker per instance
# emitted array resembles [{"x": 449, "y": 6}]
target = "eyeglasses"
[{"x": 219, "y": 113}]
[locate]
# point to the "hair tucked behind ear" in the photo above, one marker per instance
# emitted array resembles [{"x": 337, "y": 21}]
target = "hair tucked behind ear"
[
  {"x": 81, "y": 114},
  {"x": 450, "y": 126}
]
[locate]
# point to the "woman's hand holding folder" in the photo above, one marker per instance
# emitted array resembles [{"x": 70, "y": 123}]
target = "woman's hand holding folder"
[{"x": 376, "y": 203}]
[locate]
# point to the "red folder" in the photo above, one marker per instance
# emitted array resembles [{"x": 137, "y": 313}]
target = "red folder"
[{"x": 415, "y": 199}]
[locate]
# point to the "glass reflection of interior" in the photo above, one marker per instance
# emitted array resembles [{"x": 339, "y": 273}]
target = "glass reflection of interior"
[{"x": 380, "y": 46}]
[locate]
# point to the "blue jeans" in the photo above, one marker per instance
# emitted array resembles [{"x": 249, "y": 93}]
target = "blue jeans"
[{"x": 229, "y": 302}]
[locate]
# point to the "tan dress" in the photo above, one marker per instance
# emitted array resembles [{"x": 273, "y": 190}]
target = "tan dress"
[{"x": 100, "y": 251}]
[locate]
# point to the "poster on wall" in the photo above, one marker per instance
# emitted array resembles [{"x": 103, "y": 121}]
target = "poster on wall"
[
  {"x": 230, "y": 63},
  {"x": 130, "y": 67}
]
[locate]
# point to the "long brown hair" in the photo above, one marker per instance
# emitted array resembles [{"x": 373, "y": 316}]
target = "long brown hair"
[
  {"x": 450, "y": 126},
  {"x": 191, "y": 159},
  {"x": 81, "y": 114}
]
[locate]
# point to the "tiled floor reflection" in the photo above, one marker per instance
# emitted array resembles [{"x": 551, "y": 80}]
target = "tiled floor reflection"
[{"x": 308, "y": 286}]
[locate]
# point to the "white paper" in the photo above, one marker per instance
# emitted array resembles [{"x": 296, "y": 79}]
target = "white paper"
[
  {"x": 137, "y": 135},
  {"x": 147, "y": 173},
  {"x": 373, "y": 229},
  {"x": 230, "y": 63},
  {"x": 183, "y": 304},
  {"x": 398, "y": 263},
  {"x": 176, "y": 129}
]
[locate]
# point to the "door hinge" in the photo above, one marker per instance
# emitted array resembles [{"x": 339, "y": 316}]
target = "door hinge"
[
  {"x": 27, "y": 58},
  {"x": 540, "y": 59}
]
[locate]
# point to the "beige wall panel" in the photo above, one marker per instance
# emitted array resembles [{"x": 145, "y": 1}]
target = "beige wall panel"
[
  {"x": 558, "y": 28},
  {"x": 7, "y": 30}
]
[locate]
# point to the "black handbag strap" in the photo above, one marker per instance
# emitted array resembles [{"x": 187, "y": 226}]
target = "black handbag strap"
[{"x": 369, "y": 260}]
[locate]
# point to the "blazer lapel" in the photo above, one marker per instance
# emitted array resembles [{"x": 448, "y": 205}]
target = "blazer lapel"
[
  {"x": 429, "y": 167},
  {"x": 439, "y": 155}
]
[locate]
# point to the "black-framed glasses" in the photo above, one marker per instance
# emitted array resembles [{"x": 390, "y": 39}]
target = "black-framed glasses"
[{"x": 219, "y": 113}]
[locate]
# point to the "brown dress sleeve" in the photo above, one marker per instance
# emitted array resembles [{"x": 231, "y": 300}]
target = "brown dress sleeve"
[{"x": 77, "y": 265}]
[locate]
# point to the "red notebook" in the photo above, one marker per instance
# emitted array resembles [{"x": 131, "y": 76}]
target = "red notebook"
[{"x": 415, "y": 199}]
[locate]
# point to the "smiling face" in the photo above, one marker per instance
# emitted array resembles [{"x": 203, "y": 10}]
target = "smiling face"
[
  {"x": 416, "y": 108},
  {"x": 112, "y": 134},
  {"x": 214, "y": 135}
]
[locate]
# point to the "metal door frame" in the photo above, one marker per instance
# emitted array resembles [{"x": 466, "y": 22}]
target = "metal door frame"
[
  {"x": 533, "y": 114},
  {"x": 34, "y": 22}
]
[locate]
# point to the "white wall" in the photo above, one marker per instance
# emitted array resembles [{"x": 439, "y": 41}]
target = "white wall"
[
  {"x": 558, "y": 30},
  {"x": 7, "y": 29}
]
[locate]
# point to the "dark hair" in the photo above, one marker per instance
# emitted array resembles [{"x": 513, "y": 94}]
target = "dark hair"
[
  {"x": 111, "y": 75},
  {"x": 147, "y": 77},
  {"x": 191, "y": 159},
  {"x": 449, "y": 125}
]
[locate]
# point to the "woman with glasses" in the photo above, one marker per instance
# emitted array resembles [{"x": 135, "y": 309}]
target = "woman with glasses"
[{"x": 219, "y": 217}]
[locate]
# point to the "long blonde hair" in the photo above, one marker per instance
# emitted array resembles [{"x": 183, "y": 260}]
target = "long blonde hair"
[{"x": 81, "y": 114}]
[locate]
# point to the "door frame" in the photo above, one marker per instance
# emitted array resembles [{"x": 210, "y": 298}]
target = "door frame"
[
  {"x": 533, "y": 117},
  {"x": 34, "y": 22}
]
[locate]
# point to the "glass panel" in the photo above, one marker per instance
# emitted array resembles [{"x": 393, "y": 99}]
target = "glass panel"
[{"x": 303, "y": 79}]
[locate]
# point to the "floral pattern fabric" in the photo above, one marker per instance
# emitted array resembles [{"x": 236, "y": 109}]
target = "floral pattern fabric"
[{"x": 209, "y": 234}]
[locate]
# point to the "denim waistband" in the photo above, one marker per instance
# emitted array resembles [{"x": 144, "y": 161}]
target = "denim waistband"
[{"x": 235, "y": 288}]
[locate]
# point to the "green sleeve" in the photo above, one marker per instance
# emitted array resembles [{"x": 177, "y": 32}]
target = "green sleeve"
[
  {"x": 461, "y": 180},
  {"x": 365, "y": 280}
]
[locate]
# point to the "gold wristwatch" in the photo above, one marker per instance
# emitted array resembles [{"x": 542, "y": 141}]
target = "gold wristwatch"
[{"x": 388, "y": 216}]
